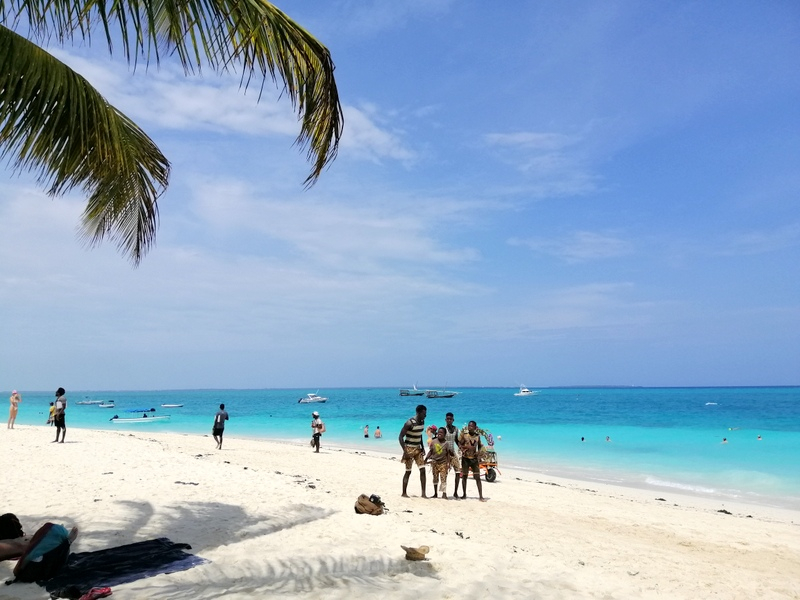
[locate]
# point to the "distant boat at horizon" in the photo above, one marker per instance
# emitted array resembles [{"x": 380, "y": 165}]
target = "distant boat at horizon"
[
  {"x": 523, "y": 391},
  {"x": 311, "y": 398},
  {"x": 440, "y": 393},
  {"x": 412, "y": 392}
]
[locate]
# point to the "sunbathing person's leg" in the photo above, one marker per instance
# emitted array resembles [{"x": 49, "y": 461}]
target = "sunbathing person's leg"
[{"x": 13, "y": 548}]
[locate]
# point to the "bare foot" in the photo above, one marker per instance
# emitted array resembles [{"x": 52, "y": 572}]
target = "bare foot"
[
  {"x": 483, "y": 499},
  {"x": 404, "y": 495},
  {"x": 444, "y": 496}
]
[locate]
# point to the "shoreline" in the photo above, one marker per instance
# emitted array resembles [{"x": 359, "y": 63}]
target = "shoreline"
[
  {"x": 273, "y": 518},
  {"x": 580, "y": 476}
]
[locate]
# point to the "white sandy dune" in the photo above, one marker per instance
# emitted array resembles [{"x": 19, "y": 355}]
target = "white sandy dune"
[{"x": 276, "y": 520}]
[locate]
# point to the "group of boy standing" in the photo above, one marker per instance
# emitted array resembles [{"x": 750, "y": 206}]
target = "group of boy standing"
[{"x": 449, "y": 448}]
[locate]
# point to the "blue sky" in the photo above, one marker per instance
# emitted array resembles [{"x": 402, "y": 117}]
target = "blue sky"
[{"x": 548, "y": 193}]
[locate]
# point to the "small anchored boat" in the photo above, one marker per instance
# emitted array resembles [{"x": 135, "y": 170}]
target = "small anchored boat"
[
  {"x": 312, "y": 398},
  {"x": 172, "y": 406},
  {"x": 440, "y": 393},
  {"x": 106, "y": 405},
  {"x": 143, "y": 419},
  {"x": 523, "y": 391},
  {"x": 412, "y": 392}
]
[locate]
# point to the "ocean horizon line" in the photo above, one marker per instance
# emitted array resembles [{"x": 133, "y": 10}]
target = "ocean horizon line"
[{"x": 424, "y": 388}]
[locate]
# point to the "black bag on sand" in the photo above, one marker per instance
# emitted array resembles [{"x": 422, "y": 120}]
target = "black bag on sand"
[{"x": 369, "y": 505}]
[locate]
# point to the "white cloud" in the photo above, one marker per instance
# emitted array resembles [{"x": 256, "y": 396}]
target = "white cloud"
[
  {"x": 580, "y": 246},
  {"x": 760, "y": 242},
  {"x": 168, "y": 99}
]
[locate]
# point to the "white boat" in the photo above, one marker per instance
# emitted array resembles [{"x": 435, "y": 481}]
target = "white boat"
[
  {"x": 523, "y": 391},
  {"x": 117, "y": 419},
  {"x": 172, "y": 406},
  {"x": 412, "y": 392},
  {"x": 90, "y": 402},
  {"x": 107, "y": 405},
  {"x": 312, "y": 398},
  {"x": 440, "y": 393}
]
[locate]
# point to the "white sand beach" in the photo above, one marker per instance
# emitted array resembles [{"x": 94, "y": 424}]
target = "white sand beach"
[{"x": 276, "y": 520}]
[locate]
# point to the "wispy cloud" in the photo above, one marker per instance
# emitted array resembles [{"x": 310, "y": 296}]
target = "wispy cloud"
[
  {"x": 580, "y": 246},
  {"x": 553, "y": 163},
  {"x": 167, "y": 99},
  {"x": 760, "y": 241}
]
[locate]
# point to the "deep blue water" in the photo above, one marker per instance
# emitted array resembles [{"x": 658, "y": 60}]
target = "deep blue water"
[{"x": 667, "y": 438}]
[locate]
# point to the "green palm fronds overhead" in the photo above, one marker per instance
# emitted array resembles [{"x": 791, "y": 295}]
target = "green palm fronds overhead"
[{"x": 55, "y": 124}]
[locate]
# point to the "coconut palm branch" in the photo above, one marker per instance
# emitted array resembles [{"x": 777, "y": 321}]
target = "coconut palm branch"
[{"x": 54, "y": 123}]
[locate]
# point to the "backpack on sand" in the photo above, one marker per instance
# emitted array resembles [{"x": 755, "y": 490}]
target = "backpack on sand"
[{"x": 369, "y": 505}]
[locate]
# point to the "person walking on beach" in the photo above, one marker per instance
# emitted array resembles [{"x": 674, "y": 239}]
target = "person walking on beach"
[
  {"x": 452, "y": 436},
  {"x": 219, "y": 425},
  {"x": 439, "y": 455},
  {"x": 59, "y": 415},
  {"x": 410, "y": 439},
  {"x": 470, "y": 450},
  {"x": 318, "y": 428},
  {"x": 15, "y": 399}
]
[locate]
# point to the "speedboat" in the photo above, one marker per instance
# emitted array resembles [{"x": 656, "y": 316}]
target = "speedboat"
[
  {"x": 312, "y": 398},
  {"x": 523, "y": 391},
  {"x": 89, "y": 402},
  {"x": 172, "y": 406},
  {"x": 106, "y": 405},
  {"x": 142, "y": 419},
  {"x": 439, "y": 393},
  {"x": 412, "y": 392}
]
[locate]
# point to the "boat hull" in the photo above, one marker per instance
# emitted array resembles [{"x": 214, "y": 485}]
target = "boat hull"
[
  {"x": 139, "y": 419},
  {"x": 440, "y": 394}
]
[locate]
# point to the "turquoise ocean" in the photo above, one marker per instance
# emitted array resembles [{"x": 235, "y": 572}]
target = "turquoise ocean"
[{"x": 665, "y": 439}]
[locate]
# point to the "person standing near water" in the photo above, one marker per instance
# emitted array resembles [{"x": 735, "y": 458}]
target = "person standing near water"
[
  {"x": 470, "y": 452},
  {"x": 15, "y": 399},
  {"x": 452, "y": 436},
  {"x": 59, "y": 415},
  {"x": 366, "y": 431},
  {"x": 317, "y": 428},
  {"x": 410, "y": 439},
  {"x": 219, "y": 425}
]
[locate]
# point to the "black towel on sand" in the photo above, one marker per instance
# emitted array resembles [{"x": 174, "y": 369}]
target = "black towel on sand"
[{"x": 123, "y": 564}]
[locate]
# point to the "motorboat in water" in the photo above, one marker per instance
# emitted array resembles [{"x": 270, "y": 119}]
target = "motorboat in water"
[
  {"x": 172, "y": 406},
  {"x": 107, "y": 405},
  {"x": 440, "y": 393},
  {"x": 310, "y": 398},
  {"x": 523, "y": 391},
  {"x": 142, "y": 419},
  {"x": 412, "y": 392},
  {"x": 85, "y": 402}
]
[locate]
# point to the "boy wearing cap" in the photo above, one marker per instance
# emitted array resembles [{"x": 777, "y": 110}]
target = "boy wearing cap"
[{"x": 318, "y": 428}]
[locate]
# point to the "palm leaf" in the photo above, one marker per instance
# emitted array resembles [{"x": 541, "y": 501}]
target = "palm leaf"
[
  {"x": 251, "y": 35},
  {"x": 55, "y": 124}
]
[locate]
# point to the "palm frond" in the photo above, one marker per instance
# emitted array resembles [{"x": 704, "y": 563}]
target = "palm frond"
[
  {"x": 225, "y": 35},
  {"x": 56, "y": 125}
]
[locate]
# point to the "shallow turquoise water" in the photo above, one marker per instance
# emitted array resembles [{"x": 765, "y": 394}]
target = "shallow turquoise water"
[{"x": 667, "y": 438}]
